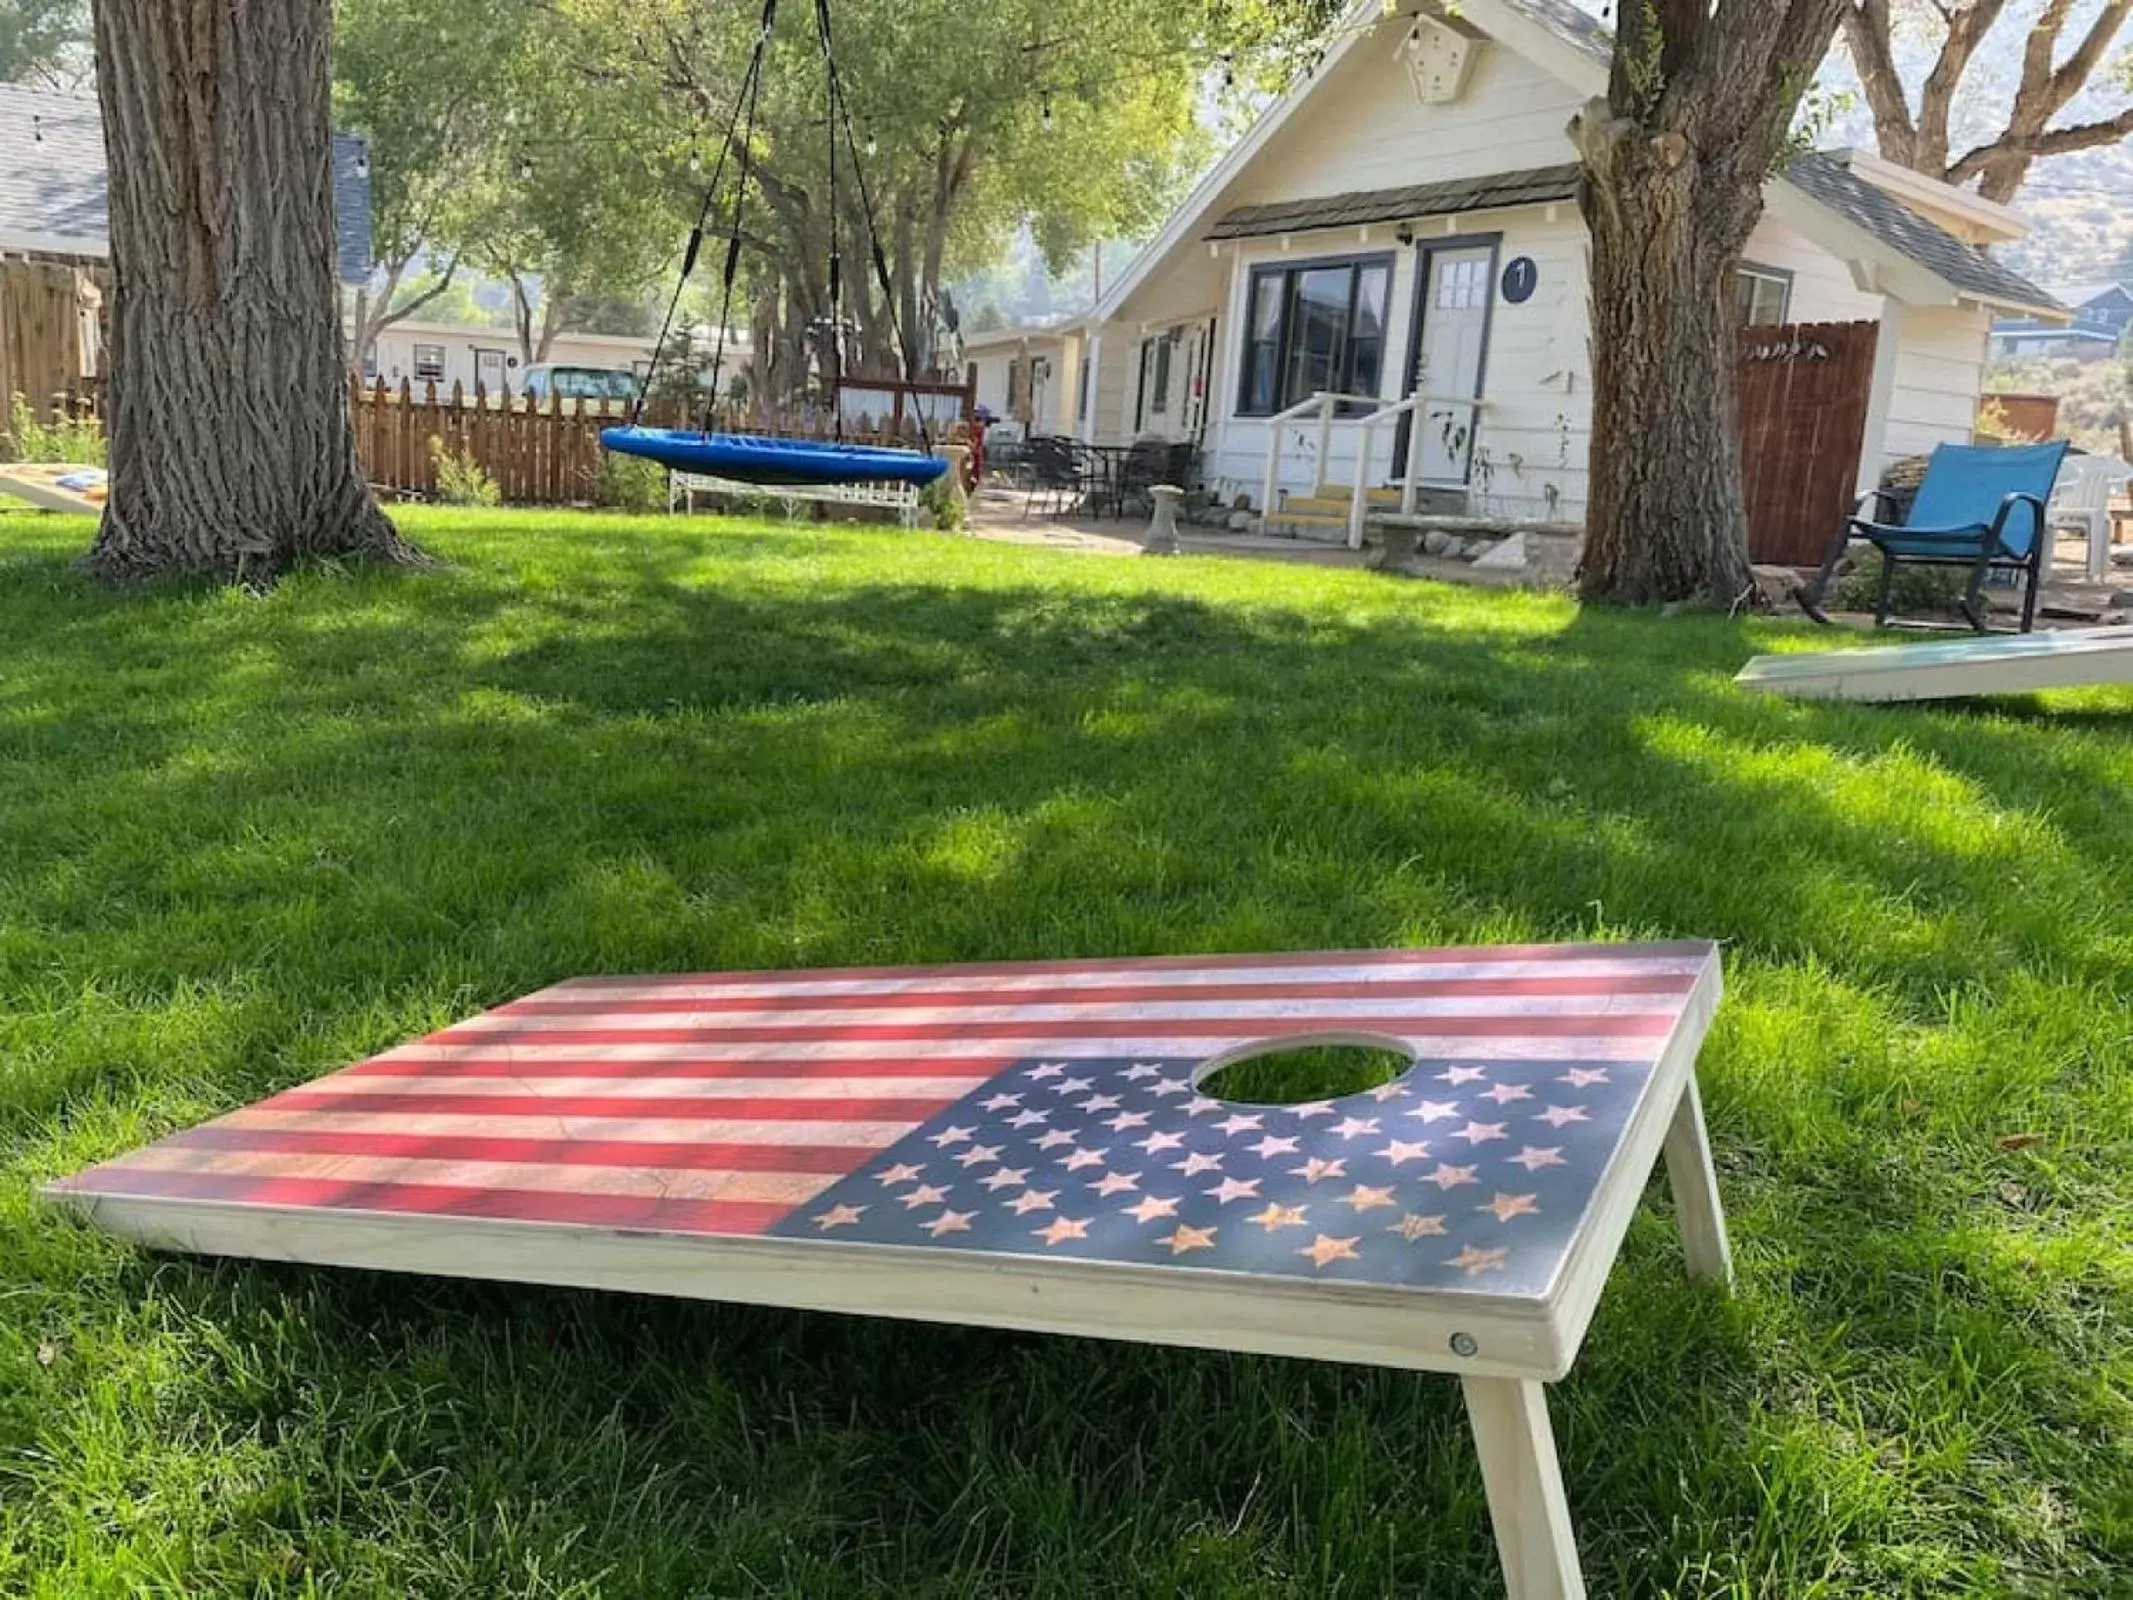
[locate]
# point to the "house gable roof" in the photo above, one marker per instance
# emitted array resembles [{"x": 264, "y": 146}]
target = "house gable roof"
[
  {"x": 55, "y": 191},
  {"x": 1846, "y": 213}
]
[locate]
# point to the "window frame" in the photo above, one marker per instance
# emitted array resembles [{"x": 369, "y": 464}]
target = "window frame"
[
  {"x": 1285, "y": 273},
  {"x": 1752, "y": 272},
  {"x": 415, "y": 363}
]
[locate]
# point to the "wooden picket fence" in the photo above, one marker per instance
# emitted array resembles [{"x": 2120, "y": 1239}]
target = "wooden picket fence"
[{"x": 550, "y": 455}]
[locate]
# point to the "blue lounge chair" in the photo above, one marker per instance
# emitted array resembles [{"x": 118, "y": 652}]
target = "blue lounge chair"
[{"x": 1980, "y": 506}]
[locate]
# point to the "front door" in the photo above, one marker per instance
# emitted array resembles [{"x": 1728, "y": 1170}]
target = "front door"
[
  {"x": 1454, "y": 284},
  {"x": 489, "y": 371}
]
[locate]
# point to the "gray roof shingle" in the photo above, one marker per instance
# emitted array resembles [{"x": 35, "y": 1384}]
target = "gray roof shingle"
[
  {"x": 1826, "y": 180},
  {"x": 1537, "y": 186},
  {"x": 54, "y": 195}
]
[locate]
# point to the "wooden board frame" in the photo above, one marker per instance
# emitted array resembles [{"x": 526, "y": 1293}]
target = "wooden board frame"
[{"x": 1999, "y": 664}]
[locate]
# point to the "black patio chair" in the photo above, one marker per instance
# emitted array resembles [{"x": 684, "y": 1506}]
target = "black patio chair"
[{"x": 1059, "y": 473}]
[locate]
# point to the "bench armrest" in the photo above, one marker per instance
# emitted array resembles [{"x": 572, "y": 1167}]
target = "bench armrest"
[
  {"x": 2042, "y": 524},
  {"x": 1882, "y": 501}
]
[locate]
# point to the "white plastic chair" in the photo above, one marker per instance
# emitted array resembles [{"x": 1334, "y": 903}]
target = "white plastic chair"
[{"x": 2082, "y": 499}]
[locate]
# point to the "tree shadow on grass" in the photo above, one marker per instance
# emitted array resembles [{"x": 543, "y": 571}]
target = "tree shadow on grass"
[{"x": 366, "y": 819}]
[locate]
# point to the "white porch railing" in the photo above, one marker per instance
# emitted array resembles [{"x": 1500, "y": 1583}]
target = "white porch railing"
[{"x": 1326, "y": 404}]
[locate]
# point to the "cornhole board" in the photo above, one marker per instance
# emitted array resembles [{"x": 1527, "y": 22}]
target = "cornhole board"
[
  {"x": 1955, "y": 669},
  {"x": 1026, "y": 1146},
  {"x": 37, "y": 483}
]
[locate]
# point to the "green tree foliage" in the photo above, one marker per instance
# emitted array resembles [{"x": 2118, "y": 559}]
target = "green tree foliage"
[{"x": 39, "y": 39}]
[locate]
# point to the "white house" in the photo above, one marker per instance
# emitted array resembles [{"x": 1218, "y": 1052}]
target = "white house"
[
  {"x": 1405, "y": 223},
  {"x": 446, "y": 353},
  {"x": 1023, "y": 374}
]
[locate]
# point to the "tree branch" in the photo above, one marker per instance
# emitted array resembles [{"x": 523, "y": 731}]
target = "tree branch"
[
  {"x": 1869, "y": 37},
  {"x": 2051, "y": 142}
]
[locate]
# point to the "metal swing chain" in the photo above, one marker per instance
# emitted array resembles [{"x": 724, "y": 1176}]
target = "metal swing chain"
[{"x": 740, "y": 211}]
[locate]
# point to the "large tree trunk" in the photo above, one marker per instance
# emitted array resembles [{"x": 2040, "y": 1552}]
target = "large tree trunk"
[
  {"x": 231, "y": 448},
  {"x": 1675, "y": 158},
  {"x": 1665, "y": 515}
]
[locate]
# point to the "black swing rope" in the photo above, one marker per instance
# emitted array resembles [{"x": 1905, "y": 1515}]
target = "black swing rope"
[{"x": 741, "y": 128}]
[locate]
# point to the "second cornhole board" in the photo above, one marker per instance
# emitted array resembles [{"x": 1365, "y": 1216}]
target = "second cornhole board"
[
  {"x": 1028, "y": 1147},
  {"x": 37, "y": 483},
  {"x": 1950, "y": 669}
]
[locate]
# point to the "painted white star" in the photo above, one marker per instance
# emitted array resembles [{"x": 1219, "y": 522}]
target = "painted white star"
[
  {"x": 1314, "y": 1169},
  {"x": 1116, "y": 1183},
  {"x": 1325, "y": 1249},
  {"x": 924, "y": 1195},
  {"x": 1032, "y": 1200},
  {"x": 1275, "y": 1216},
  {"x": 1355, "y": 1127},
  {"x": 1238, "y": 1124},
  {"x": 1028, "y": 1119},
  {"x": 1403, "y": 1150},
  {"x": 1170, "y": 1086},
  {"x": 1365, "y": 1198},
  {"x": 1435, "y": 1110},
  {"x": 977, "y": 1155},
  {"x": 1271, "y": 1146},
  {"x": 1195, "y": 1163},
  {"x": 904, "y": 1172},
  {"x": 1479, "y": 1132},
  {"x": 1504, "y": 1093},
  {"x": 1140, "y": 1070},
  {"x": 949, "y": 1136},
  {"x": 1148, "y": 1208},
  {"x": 1507, "y": 1206},
  {"x": 1054, "y": 1139},
  {"x": 839, "y": 1217},
  {"x": 1412, "y": 1227},
  {"x": 950, "y": 1222},
  {"x": 1060, "y": 1229},
  {"x": 1449, "y": 1177},
  {"x": 1073, "y": 1085},
  {"x": 1199, "y": 1106},
  {"x": 1474, "y": 1261},
  {"x": 1388, "y": 1091},
  {"x": 1125, "y": 1120},
  {"x": 1007, "y": 1178},
  {"x": 1458, "y": 1075},
  {"x": 1159, "y": 1141},
  {"x": 1579, "y": 1077},
  {"x": 1183, "y": 1239},
  {"x": 1051, "y": 1069},
  {"x": 1312, "y": 1108},
  {"x": 1100, "y": 1102},
  {"x": 1234, "y": 1189},
  {"x": 999, "y": 1102},
  {"x": 1533, "y": 1160},
  {"x": 1078, "y": 1158},
  {"x": 1556, "y": 1116}
]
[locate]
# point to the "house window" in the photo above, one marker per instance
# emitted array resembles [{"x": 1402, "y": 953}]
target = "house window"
[
  {"x": 1762, "y": 296},
  {"x": 1081, "y": 390},
  {"x": 1317, "y": 325},
  {"x": 429, "y": 362},
  {"x": 370, "y": 362},
  {"x": 1159, "y": 392}
]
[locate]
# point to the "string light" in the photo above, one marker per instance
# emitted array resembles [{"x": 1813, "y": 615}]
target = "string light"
[
  {"x": 37, "y": 129},
  {"x": 1229, "y": 70},
  {"x": 1044, "y": 111},
  {"x": 873, "y": 145},
  {"x": 362, "y": 160},
  {"x": 525, "y": 168}
]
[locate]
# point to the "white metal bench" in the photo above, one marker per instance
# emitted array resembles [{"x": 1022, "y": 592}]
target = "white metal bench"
[{"x": 901, "y": 498}]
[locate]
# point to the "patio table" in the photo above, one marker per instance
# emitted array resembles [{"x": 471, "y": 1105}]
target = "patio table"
[{"x": 1027, "y": 1146}]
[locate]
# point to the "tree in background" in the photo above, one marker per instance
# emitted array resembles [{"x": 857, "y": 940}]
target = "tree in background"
[
  {"x": 231, "y": 450},
  {"x": 2061, "y": 57},
  {"x": 1699, "y": 106},
  {"x": 41, "y": 39},
  {"x": 422, "y": 82}
]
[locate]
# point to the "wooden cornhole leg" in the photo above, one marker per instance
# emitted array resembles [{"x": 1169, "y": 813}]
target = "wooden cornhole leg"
[
  {"x": 1509, "y": 1417},
  {"x": 1690, "y": 1175}
]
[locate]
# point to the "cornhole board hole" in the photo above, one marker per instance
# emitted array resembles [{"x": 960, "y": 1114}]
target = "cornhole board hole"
[
  {"x": 2002, "y": 664},
  {"x": 1026, "y": 1146},
  {"x": 38, "y": 483}
]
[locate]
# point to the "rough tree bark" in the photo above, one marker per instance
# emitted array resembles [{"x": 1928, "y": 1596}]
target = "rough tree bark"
[
  {"x": 1698, "y": 106},
  {"x": 1921, "y": 138},
  {"x": 231, "y": 448}
]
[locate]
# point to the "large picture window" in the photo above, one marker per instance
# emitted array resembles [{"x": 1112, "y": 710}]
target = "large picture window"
[{"x": 1315, "y": 325}]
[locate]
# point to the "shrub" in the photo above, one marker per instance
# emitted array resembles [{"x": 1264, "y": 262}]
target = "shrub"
[
  {"x": 460, "y": 479},
  {"x": 626, "y": 483},
  {"x": 950, "y": 510},
  {"x": 74, "y": 441},
  {"x": 1917, "y": 590}
]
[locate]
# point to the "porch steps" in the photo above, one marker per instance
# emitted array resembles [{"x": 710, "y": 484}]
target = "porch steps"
[{"x": 1325, "y": 510}]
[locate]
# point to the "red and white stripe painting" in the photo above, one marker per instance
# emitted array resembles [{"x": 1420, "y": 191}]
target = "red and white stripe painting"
[{"x": 726, "y": 1104}]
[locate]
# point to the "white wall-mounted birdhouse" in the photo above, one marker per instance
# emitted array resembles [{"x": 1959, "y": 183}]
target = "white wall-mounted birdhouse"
[{"x": 1438, "y": 60}]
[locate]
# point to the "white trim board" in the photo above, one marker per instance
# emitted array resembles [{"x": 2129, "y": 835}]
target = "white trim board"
[{"x": 1947, "y": 670}]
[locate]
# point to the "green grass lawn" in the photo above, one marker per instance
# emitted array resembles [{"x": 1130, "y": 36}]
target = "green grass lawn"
[{"x": 245, "y": 839}]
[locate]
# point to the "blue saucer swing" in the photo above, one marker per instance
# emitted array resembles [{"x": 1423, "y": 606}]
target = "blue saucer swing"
[{"x": 754, "y": 458}]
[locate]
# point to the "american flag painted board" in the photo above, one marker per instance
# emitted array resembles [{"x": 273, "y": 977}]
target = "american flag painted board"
[{"x": 1031, "y": 1115}]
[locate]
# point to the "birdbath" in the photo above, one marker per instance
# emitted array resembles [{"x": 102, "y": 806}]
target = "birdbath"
[{"x": 1162, "y": 537}]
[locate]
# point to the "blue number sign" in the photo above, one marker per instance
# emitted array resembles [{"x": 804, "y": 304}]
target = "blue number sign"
[{"x": 1520, "y": 279}]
